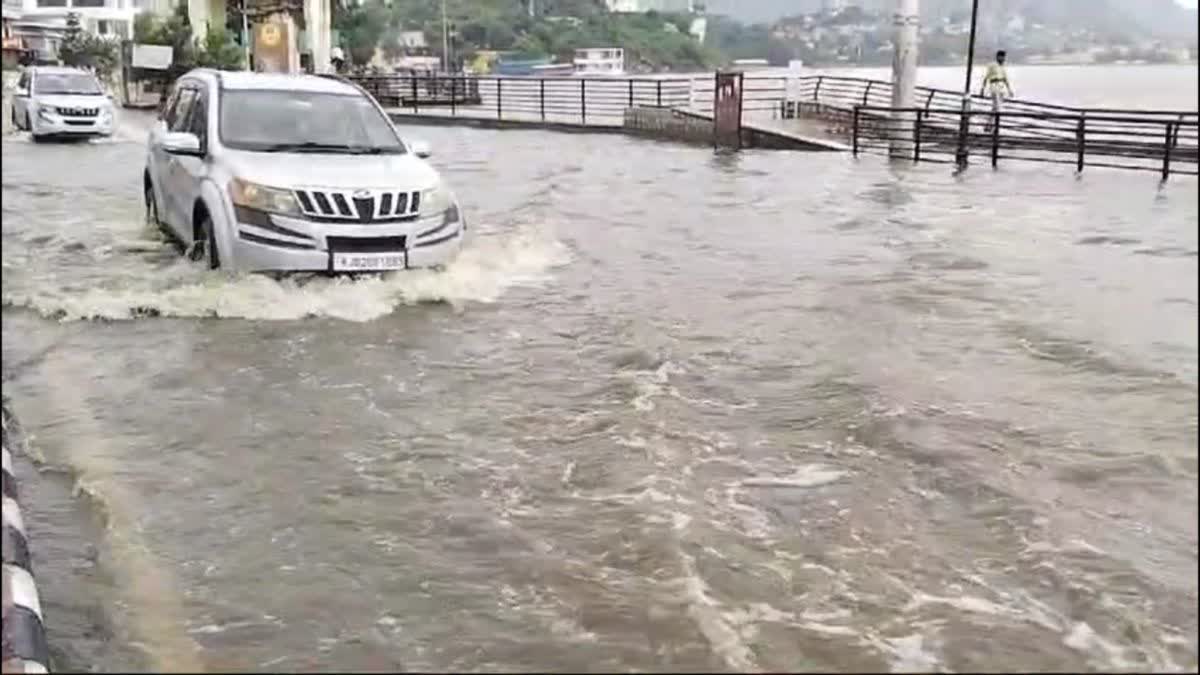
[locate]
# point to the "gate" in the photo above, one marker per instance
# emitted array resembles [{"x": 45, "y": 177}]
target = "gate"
[{"x": 727, "y": 110}]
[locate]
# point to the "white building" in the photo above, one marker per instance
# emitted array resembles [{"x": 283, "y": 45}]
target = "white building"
[
  {"x": 600, "y": 61},
  {"x": 103, "y": 17},
  {"x": 636, "y": 6}
]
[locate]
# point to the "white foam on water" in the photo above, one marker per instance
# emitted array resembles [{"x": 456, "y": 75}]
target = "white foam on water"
[
  {"x": 705, "y": 611},
  {"x": 910, "y": 655},
  {"x": 487, "y": 267},
  {"x": 807, "y": 476}
]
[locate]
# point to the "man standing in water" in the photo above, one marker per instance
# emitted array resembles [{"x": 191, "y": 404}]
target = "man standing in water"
[{"x": 995, "y": 84}]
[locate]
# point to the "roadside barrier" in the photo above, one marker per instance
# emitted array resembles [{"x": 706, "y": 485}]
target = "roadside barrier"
[{"x": 24, "y": 644}]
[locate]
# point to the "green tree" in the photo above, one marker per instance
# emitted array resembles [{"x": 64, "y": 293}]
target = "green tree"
[
  {"x": 72, "y": 50},
  {"x": 218, "y": 50}
]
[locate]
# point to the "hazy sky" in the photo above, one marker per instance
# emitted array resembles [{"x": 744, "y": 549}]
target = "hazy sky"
[{"x": 1187, "y": 3}]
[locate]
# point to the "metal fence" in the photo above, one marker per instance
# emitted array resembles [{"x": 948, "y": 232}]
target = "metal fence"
[
  {"x": 1149, "y": 140},
  {"x": 586, "y": 101}
]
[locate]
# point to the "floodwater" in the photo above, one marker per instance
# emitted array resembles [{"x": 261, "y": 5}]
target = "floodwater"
[{"x": 670, "y": 411}]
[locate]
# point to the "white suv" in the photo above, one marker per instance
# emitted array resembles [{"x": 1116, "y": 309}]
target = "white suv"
[
  {"x": 270, "y": 172},
  {"x": 50, "y": 101}
]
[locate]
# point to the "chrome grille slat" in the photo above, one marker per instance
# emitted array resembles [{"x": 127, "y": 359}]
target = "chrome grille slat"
[{"x": 345, "y": 205}]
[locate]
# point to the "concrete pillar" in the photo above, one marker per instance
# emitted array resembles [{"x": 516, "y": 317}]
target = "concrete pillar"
[
  {"x": 906, "y": 22},
  {"x": 199, "y": 15},
  {"x": 318, "y": 20}
]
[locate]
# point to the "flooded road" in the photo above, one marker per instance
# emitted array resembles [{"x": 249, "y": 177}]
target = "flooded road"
[{"x": 670, "y": 411}]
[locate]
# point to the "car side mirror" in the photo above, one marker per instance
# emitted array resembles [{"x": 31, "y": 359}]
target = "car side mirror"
[
  {"x": 181, "y": 143},
  {"x": 421, "y": 149}
]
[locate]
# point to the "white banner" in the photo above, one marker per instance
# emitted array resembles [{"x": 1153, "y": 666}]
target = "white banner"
[{"x": 152, "y": 57}]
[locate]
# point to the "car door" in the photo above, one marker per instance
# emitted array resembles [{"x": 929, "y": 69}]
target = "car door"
[
  {"x": 157, "y": 158},
  {"x": 190, "y": 171},
  {"x": 21, "y": 98},
  {"x": 180, "y": 215}
]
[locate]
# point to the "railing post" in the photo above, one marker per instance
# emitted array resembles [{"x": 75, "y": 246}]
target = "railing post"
[
  {"x": 631, "y": 93},
  {"x": 415, "y": 96},
  {"x": 583, "y": 101},
  {"x": 867, "y": 91},
  {"x": 453, "y": 95},
  {"x": 995, "y": 138},
  {"x": 499, "y": 98},
  {"x": 817, "y": 89},
  {"x": 542, "y": 97},
  {"x": 1166, "y": 169},
  {"x": 1080, "y": 132},
  {"x": 659, "y": 94},
  {"x": 854, "y": 132},
  {"x": 929, "y": 100},
  {"x": 917, "y": 136}
]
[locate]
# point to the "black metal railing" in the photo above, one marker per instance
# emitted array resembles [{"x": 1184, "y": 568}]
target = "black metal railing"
[
  {"x": 1126, "y": 139},
  {"x": 571, "y": 100}
]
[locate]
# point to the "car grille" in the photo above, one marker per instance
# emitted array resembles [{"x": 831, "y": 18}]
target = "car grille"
[
  {"x": 365, "y": 244},
  {"x": 359, "y": 206},
  {"x": 79, "y": 112}
]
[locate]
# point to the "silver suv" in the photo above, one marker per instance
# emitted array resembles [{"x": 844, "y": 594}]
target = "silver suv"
[
  {"x": 50, "y": 101},
  {"x": 267, "y": 172}
]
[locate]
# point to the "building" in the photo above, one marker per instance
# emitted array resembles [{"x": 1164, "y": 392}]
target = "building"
[
  {"x": 600, "y": 61},
  {"x": 636, "y": 6},
  {"x": 102, "y": 17}
]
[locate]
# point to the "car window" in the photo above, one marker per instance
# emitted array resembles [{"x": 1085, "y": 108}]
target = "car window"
[
  {"x": 199, "y": 122},
  {"x": 67, "y": 83},
  {"x": 167, "y": 113},
  {"x": 267, "y": 120},
  {"x": 183, "y": 108}
]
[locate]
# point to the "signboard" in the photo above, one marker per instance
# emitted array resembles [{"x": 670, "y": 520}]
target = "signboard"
[
  {"x": 272, "y": 47},
  {"x": 727, "y": 111},
  {"x": 151, "y": 57}
]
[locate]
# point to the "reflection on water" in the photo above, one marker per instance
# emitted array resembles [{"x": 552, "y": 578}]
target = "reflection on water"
[{"x": 693, "y": 411}]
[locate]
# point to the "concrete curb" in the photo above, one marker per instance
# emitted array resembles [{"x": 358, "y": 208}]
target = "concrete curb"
[{"x": 24, "y": 637}]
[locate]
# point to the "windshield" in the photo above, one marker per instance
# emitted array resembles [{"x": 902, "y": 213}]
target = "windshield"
[
  {"x": 301, "y": 121},
  {"x": 66, "y": 83}
]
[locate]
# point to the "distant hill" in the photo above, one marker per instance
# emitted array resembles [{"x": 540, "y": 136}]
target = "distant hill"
[{"x": 1159, "y": 18}]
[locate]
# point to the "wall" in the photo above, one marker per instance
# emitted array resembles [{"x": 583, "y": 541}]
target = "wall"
[
  {"x": 668, "y": 125},
  {"x": 24, "y": 643}
]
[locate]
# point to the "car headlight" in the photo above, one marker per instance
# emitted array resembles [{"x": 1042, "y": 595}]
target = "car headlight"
[
  {"x": 263, "y": 198},
  {"x": 46, "y": 114},
  {"x": 436, "y": 201}
]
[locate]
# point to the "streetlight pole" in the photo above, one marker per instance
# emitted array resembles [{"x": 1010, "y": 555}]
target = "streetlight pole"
[
  {"x": 445, "y": 41},
  {"x": 245, "y": 36},
  {"x": 964, "y": 122}
]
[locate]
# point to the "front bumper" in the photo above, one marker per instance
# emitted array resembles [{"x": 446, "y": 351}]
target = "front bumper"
[
  {"x": 52, "y": 124},
  {"x": 275, "y": 243}
]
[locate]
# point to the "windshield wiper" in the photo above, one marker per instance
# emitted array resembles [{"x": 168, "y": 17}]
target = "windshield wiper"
[{"x": 309, "y": 146}]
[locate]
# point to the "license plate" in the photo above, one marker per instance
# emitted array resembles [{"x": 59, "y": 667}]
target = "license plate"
[{"x": 367, "y": 262}]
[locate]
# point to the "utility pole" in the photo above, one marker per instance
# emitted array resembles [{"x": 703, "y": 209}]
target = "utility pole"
[
  {"x": 906, "y": 23},
  {"x": 445, "y": 41},
  {"x": 245, "y": 36},
  {"x": 964, "y": 125},
  {"x": 532, "y": 8}
]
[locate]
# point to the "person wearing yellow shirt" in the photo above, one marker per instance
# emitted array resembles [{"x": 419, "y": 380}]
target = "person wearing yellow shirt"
[{"x": 995, "y": 82}]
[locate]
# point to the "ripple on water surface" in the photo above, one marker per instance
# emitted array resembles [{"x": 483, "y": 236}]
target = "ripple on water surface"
[{"x": 778, "y": 412}]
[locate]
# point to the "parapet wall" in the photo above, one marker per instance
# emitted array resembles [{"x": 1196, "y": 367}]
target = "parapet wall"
[{"x": 24, "y": 644}]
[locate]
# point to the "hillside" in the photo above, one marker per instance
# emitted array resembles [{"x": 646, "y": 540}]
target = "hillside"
[{"x": 1149, "y": 18}]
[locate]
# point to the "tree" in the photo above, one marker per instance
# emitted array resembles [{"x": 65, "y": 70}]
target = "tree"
[
  {"x": 73, "y": 48},
  {"x": 80, "y": 49},
  {"x": 218, "y": 50}
]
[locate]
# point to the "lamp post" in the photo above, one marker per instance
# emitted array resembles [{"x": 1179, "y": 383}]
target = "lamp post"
[
  {"x": 964, "y": 122},
  {"x": 245, "y": 36},
  {"x": 445, "y": 41}
]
